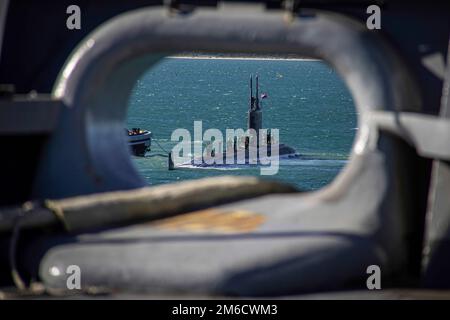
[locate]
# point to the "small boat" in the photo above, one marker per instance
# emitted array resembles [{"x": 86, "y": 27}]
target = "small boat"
[{"x": 139, "y": 140}]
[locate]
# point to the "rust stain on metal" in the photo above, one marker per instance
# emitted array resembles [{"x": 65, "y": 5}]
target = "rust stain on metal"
[{"x": 213, "y": 220}]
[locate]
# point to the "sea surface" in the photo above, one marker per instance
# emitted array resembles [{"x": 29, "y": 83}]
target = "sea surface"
[{"x": 307, "y": 101}]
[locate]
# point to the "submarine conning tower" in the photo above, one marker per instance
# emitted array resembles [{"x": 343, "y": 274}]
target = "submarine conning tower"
[{"x": 254, "y": 113}]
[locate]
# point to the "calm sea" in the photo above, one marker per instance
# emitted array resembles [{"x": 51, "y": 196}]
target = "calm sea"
[{"x": 307, "y": 101}]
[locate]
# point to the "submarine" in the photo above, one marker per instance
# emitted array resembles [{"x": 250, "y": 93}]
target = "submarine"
[
  {"x": 255, "y": 116},
  {"x": 247, "y": 149}
]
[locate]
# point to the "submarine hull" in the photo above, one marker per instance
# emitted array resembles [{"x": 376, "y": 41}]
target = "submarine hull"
[{"x": 285, "y": 152}]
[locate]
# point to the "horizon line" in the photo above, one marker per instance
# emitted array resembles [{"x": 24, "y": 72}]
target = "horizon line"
[{"x": 240, "y": 58}]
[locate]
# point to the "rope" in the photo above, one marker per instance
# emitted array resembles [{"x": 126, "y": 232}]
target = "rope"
[
  {"x": 166, "y": 155},
  {"x": 58, "y": 212},
  {"x": 156, "y": 141},
  {"x": 18, "y": 281}
]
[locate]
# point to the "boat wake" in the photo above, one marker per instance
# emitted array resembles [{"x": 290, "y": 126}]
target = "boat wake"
[
  {"x": 284, "y": 161},
  {"x": 315, "y": 162}
]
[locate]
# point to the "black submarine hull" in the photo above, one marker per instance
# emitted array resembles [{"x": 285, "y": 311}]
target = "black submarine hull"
[{"x": 285, "y": 152}]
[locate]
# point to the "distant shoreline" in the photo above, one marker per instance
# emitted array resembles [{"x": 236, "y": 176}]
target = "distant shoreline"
[{"x": 240, "y": 58}]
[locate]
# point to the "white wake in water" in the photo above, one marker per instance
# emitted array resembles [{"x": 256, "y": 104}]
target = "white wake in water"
[{"x": 283, "y": 162}]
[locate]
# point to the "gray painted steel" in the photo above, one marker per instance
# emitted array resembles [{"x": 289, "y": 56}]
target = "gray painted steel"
[
  {"x": 437, "y": 241},
  {"x": 309, "y": 242}
]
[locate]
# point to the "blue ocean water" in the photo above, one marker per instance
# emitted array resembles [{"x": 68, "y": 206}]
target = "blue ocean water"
[{"x": 307, "y": 101}]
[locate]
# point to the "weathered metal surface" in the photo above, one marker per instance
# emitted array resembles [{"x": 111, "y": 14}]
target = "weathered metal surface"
[
  {"x": 29, "y": 116},
  {"x": 437, "y": 241},
  {"x": 213, "y": 220},
  {"x": 371, "y": 214},
  {"x": 300, "y": 247},
  {"x": 157, "y": 202},
  {"x": 125, "y": 207},
  {"x": 427, "y": 134},
  {"x": 374, "y": 218}
]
